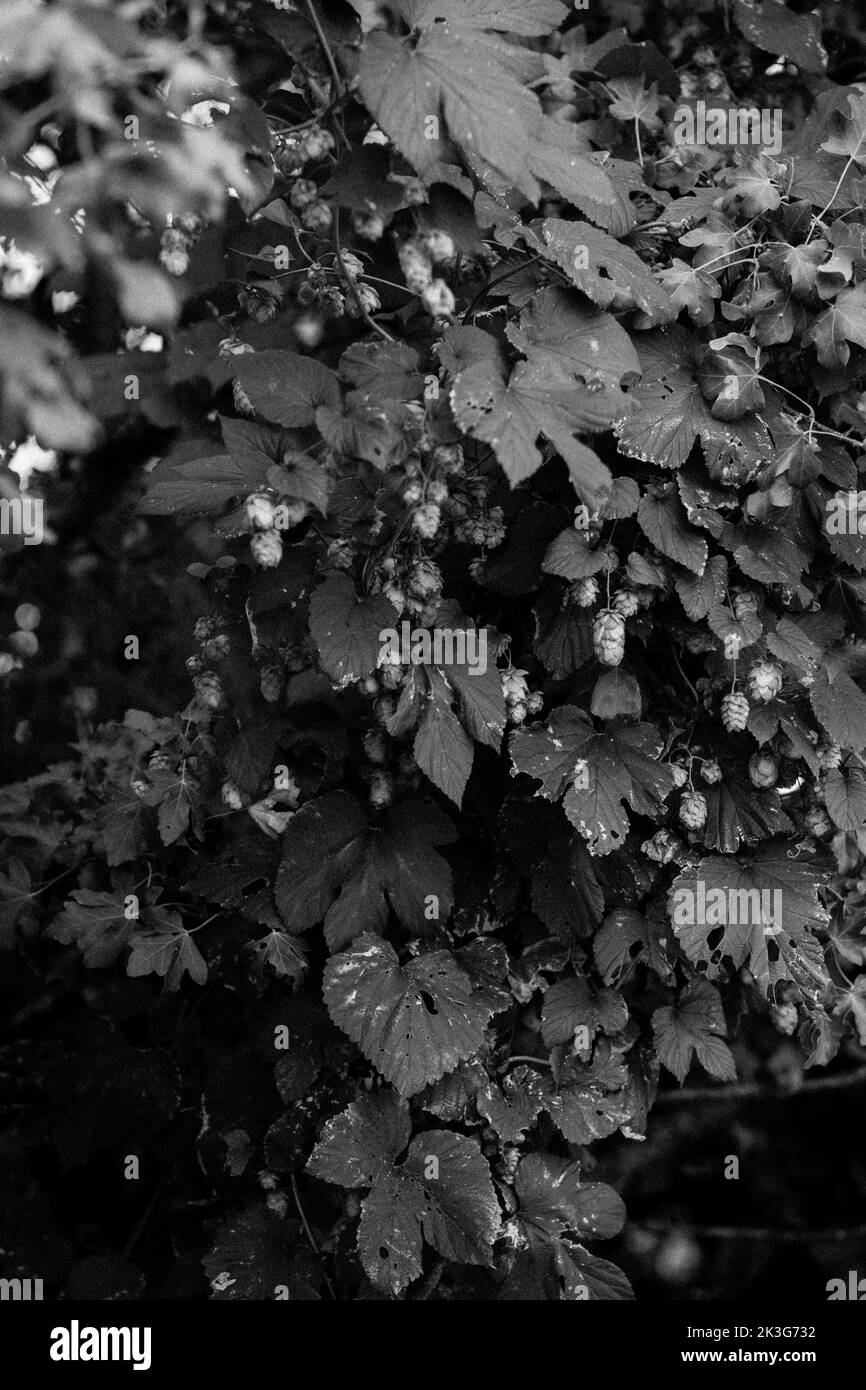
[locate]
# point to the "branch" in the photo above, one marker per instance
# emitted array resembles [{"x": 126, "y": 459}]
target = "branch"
[
  {"x": 838, "y": 1235},
  {"x": 748, "y": 1090},
  {"x": 326, "y": 47},
  {"x": 352, "y": 288},
  {"x": 310, "y": 1237}
]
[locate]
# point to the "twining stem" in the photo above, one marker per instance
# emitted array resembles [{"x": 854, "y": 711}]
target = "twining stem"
[
  {"x": 352, "y": 288},
  {"x": 747, "y": 1090},
  {"x": 310, "y": 1237},
  {"x": 823, "y": 213}
]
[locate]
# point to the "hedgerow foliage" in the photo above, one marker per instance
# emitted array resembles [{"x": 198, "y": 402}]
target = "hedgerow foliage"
[{"x": 423, "y": 309}]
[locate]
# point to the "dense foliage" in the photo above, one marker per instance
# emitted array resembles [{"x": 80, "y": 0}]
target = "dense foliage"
[{"x": 424, "y": 317}]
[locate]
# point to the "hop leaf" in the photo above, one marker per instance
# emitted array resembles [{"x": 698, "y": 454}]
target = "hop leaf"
[
  {"x": 337, "y": 869},
  {"x": 167, "y": 950},
  {"x": 415, "y": 1021},
  {"x": 347, "y": 628},
  {"x": 634, "y": 102},
  {"x": 670, "y": 412},
  {"x": 605, "y": 270},
  {"x": 441, "y": 1191},
  {"x": 692, "y": 289},
  {"x": 763, "y": 912},
  {"x": 621, "y": 767},
  {"x": 96, "y": 924},
  {"x": 694, "y": 1027},
  {"x": 841, "y": 323},
  {"x": 571, "y": 381}
]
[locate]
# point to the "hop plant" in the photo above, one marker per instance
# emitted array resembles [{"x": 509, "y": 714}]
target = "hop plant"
[
  {"x": 174, "y": 262},
  {"x": 381, "y": 789},
  {"x": 763, "y": 770},
  {"x": 711, "y": 772},
  {"x": 260, "y": 511},
  {"x": 209, "y": 690},
  {"x": 662, "y": 847},
  {"x": 352, "y": 265},
  {"x": 439, "y": 246},
  {"x": 367, "y": 302},
  {"x": 160, "y": 761},
  {"x": 259, "y": 302},
  {"x": 341, "y": 553},
  {"x": 679, "y": 774},
  {"x": 317, "y": 217},
  {"x": 243, "y": 404},
  {"x": 494, "y": 528},
  {"x": 233, "y": 347},
  {"x": 25, "y": 643},
  {"x": 785, "y": 1018},
  {"x": 391, "y": 677},
  {"x": 437, "y": 492},
  {"x": 517, "y": 712},
  {"x": 745, "y": 603},
  {"x": 416, "y": 267},
  {"x": 426, "y": 519},
  {"x": 370, "y": 226},
  {"x": 425, "y": 579},
  {"x": 271, "y": 683},
  {"x": 608, "y": 637},
  {"x": 448, "y": 458},
  {"x": 267, "y": 549},
  {"x": 735, "y": 712},
  {"x": 817, "y": 822},
  {"x": 438, "y": 300},
  {"x": 383, "y": 708},
  {"x": 376, "y": 745},
  {"x": 478, "y": 570},
  {"x": 625, "y": 602},
  {"x": 693, "y": 810},
  {"x": 302, "y": 194},
  {"x": 218, "y": 647},
  {"x": 829, "y": 756},
  {"x": 583, "y": 592},
  {"x": 231, "y": 796},
  {"x": 765, "y": 680},
  {"x": 514, "y": 684},
  {"x": 316, "y": 143}
]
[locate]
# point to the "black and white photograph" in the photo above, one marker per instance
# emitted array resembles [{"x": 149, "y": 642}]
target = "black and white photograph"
[{"x": 432, "y": 675}]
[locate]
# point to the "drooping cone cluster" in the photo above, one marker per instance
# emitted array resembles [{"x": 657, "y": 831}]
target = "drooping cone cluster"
[
  {"x": 763, "y": 770},
  {"x": 608, "y": 637},
  {"x": 693, "y": 810},
  {"x": 765, "y": 681},
  {"x": 735, "y": 712}
]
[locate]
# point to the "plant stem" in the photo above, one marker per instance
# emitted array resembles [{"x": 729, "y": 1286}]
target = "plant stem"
[
  {"x": 748, "y": 1090},
  {"x": 352, "y": 287}
]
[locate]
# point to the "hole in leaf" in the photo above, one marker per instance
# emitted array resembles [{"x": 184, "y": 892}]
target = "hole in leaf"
[
  {"x": 383, "y": 1253},
  {"x": 429, "y": 1002}
]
